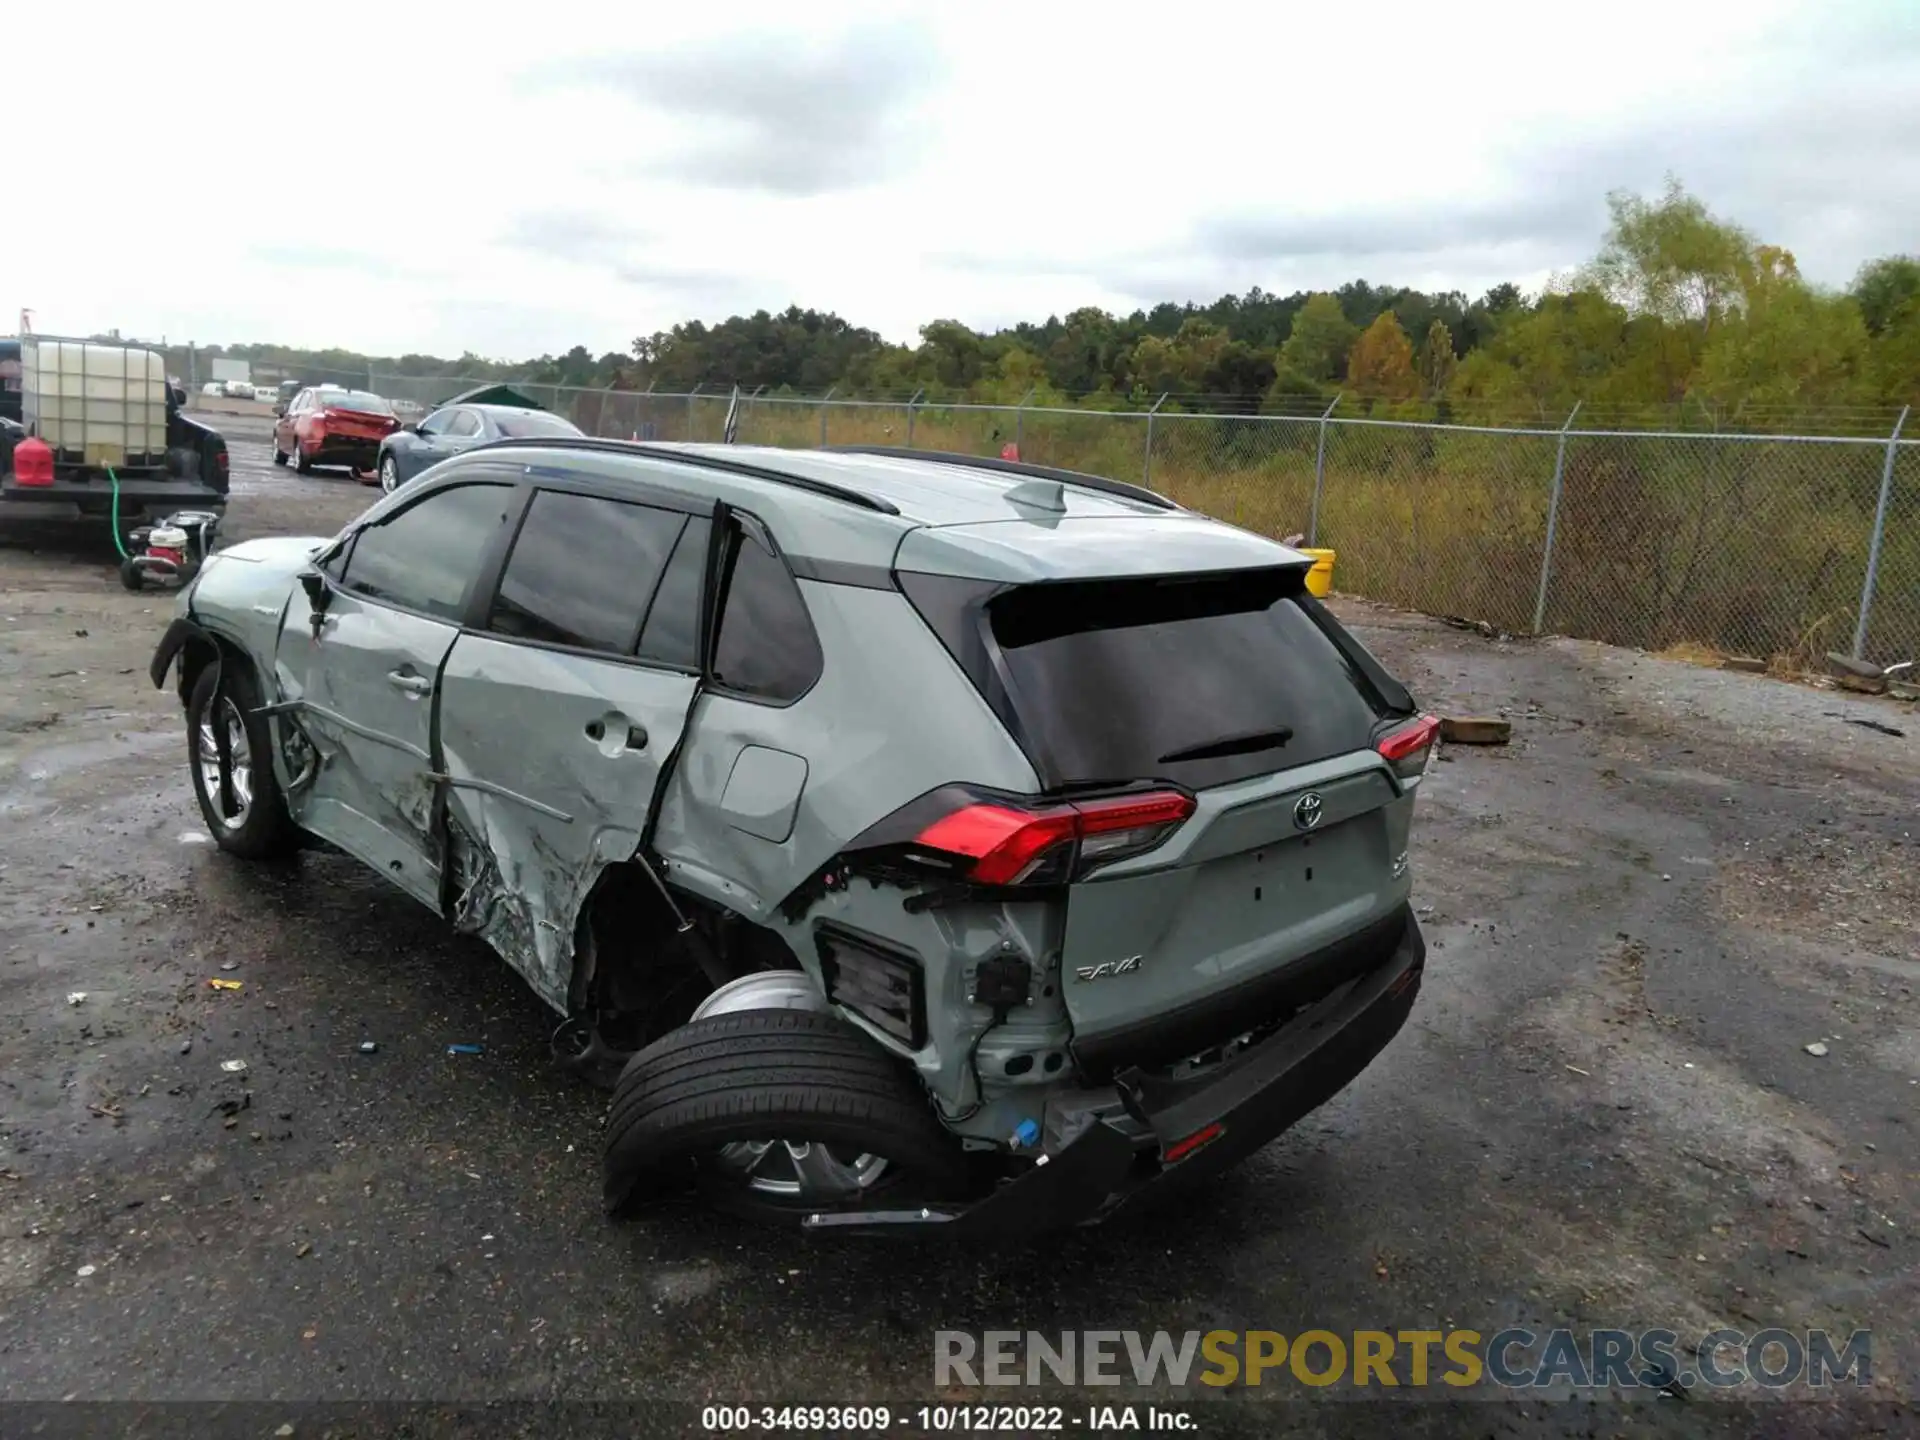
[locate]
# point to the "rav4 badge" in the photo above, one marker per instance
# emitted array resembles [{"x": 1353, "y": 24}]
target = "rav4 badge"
[{"x": 1108, "y": 968}]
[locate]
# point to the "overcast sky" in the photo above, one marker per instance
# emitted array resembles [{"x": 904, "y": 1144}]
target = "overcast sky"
[{"x": 407, "y": 177}]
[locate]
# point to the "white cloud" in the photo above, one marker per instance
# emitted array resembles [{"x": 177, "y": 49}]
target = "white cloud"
[{"x": 416, "y": 178}]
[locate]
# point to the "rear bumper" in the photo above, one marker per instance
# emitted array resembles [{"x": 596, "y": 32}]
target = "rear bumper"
[
  {"x": 347, "y": 450},
  {"x": 1177, "y": 1131},
  {"x": 73, "y": 502}
]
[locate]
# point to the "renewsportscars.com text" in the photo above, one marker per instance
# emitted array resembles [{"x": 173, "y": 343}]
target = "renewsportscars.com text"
[{"x": 1512, "y": 1358}]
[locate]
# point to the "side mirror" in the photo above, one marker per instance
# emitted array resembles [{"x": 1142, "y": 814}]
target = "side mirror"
[
  {"x": 279, "y": 409},
  {"x": 179, "y": 397},
  {"x": 412, "y": 427},
  {"x": 318, "y": 595}
]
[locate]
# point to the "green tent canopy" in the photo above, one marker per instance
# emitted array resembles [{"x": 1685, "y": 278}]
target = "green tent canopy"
[{"x": 495, "y": 395}]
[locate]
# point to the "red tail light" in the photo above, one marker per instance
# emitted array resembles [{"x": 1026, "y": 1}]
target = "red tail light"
[
  {"x": 1407, "y": 748},
  {"x": 32, "y": 463},
  {"x": 1011, "y": 845}
]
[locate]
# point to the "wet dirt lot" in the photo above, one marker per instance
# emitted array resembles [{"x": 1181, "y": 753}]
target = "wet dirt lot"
[{"x": 1603, "y": 1112}]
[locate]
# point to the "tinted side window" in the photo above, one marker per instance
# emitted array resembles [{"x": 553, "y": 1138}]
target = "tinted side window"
[
  {"x": 672, "y": 634},
  {"x": 425, "y": 556},
  {"x": 464, "y": 422},
  {"x": 583, "y": 570},
  {"x": 766, "y": 647}
]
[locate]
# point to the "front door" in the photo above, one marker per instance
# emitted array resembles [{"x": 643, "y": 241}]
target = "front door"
[
  {"x": 556, "y": 722},
  {"x": 364, "y": 677}
]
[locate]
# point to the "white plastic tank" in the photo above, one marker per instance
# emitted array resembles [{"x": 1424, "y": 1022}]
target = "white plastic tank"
[{"x": 95, "y": 405}]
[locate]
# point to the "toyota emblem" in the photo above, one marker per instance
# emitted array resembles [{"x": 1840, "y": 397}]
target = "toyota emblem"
[{"x": 1307, "y": 810}]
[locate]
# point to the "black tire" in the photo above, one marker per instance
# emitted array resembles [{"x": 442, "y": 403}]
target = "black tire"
[
  {"x": 279, "y": 456},
  {"x": 300, "y": 461},
  {"x": 130, "y": 575},
  {"x": 266, "y": 831},
  {"x": 787, "y": 1075}
]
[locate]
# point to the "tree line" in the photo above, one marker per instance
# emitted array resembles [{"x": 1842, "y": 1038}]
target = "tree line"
[{"x": 1679, "y": 313}]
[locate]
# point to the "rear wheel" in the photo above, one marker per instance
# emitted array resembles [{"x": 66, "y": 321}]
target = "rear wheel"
[
  {"x": 228, "y": 745},
  {"x": 300, "y": 460},
  {"x": 778, "y": 1114}
]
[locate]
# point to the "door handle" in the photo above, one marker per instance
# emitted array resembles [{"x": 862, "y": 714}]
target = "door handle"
[
  {"x": 412, "y": 684},
  {"x": 636, "y": 737}
]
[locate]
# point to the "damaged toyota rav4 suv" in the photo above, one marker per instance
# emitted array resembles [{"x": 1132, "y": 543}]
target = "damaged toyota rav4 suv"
[{"x": 912, "y": 839}]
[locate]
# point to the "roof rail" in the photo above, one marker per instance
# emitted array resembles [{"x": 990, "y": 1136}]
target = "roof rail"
[
  {"x": 700, "y": 458},
  {"x": 1014, "y": 467}
]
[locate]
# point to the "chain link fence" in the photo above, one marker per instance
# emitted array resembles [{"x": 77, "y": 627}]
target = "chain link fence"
[{"x": 1738, "y": 543}]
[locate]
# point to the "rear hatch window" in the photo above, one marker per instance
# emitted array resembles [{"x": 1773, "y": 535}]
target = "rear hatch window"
[{"x": 1203, "y": 680}]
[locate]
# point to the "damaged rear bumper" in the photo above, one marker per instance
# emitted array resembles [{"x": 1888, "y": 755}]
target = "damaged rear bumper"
[{"x": 1176, "y": 1131}]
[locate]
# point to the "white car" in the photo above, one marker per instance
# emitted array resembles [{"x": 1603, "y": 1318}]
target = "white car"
[
  {"x": 213, "y": 387},
  {"x": 239, "y": 389},
  {"x": 266, "y": 394}
]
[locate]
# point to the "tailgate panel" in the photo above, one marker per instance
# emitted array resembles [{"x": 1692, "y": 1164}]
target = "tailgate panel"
[{"x": 1249, "y": 897}]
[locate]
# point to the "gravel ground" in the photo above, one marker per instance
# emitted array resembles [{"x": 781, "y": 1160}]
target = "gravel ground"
[{"x": 1603, "y": 1112}]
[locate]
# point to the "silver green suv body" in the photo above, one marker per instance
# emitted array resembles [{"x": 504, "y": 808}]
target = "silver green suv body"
[{"x": 919, "y": 839}]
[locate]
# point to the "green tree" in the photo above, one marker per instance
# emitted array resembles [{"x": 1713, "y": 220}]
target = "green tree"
[
  {"x": 1318, "y": 340},
  {"x": 1894, "y": 357},
  {"x": 1884, "y": 288},
  {"x": 1437, "y": 360},
  {"x": 1784, "y": 343},
  {"x": 1670, "y": 258}
]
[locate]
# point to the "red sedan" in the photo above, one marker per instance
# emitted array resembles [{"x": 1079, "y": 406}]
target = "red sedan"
[{"x": 323, "y": 425}]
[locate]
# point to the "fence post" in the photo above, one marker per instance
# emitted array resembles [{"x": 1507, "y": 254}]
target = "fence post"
[
  {"x": 1020, "y": 422},
  {"x": 910, "y": 404},
  {"x": 1320, "y": 471},
  {"x": 1146, "y": 469},
  {"x": 1553, "y": 521},
  {"x": 1879, "y": 534},
  {"x": 825, "y": 401}
]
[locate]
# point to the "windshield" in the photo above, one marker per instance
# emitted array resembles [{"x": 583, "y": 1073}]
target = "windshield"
[
  {"x": 519, "y": 426},
  {"x": 360, "y": 400}
]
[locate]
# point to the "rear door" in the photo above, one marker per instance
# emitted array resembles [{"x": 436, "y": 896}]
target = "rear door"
[
  {"x": 1244, "y": 692},
  {"x": 365, "y": 676},
  {"x": 559, "y": 712}
]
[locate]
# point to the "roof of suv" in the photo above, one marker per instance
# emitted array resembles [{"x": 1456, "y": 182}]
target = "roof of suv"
[{"x": 949, "y": 514}]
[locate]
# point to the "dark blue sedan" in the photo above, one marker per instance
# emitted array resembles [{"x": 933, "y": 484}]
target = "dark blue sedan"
[{"x": 457, "y": 427}]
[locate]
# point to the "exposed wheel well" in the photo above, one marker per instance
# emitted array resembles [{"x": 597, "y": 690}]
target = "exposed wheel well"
[
  {"x": 638, "y": 973},
  {"x": 198, "y": 653}
]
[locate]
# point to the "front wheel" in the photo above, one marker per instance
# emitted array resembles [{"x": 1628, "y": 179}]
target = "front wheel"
[
  {"x": 279, "y": 455},
  {"x": 778, "y": 1114},
  {"x": 229, "y": 747},
  {"x": 389, "y": 474}
]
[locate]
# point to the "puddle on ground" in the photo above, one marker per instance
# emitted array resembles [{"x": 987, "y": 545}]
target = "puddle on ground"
[{"x": 37, "y": 767}]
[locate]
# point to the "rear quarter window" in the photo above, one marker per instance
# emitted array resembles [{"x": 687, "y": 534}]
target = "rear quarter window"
[{"x": 766, "y": 648}]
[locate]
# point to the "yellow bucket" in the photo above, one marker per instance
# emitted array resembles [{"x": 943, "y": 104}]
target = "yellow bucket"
[{"x": 1320, "y": 577}]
